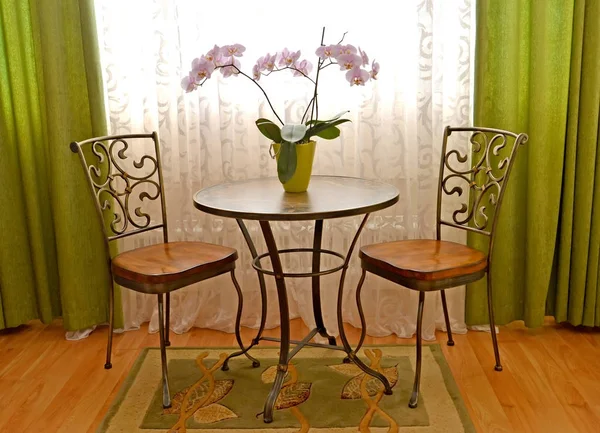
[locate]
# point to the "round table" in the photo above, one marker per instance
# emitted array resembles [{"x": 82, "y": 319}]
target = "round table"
[{"x": 265, "y": 200}]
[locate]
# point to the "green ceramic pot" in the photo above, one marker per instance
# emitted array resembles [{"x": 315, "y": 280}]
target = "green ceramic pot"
[{"x": 305, "y": 156}]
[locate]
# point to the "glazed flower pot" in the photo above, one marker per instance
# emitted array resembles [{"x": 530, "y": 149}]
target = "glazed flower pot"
[{"x": 305, "y": 156}]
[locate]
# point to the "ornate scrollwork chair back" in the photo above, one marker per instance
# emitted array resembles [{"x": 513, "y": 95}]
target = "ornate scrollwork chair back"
[
  {"x": 472, "y": 183},
  {"x": 124, "y": 186},
  {"x": 481, "y": 184},
  {"x": 128, "y": 191}
]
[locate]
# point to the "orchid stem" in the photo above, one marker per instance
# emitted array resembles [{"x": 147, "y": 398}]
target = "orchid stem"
[
  {"x": 315, "y": 105},
  {"x": 307, "y": 107},
  {"x": 259, "y": 86},
  {"x": 293, "y": 69}
]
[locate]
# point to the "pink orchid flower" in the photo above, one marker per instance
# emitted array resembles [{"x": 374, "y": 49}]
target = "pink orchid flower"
[
  {"x": 347, "y": 49},
  {"x": 374, "y": 70},
  {"x": 365, "y": 58},
  {"x": 261, "y": 63},
  {"x": 228, "y": 71},
  {"x": 303, "y": 68},
  {"x": 233, "y": 50},
  {"x": 349, "y": 61},
  {"x": 256, "y": 71},
  {"x": 357, "y": 76},
  {"x": 270, "y": 61},
  {"x": 266, "y": 62},
  {"x": 214, "y": 54},
  {"x": 202, "y": 68},
  {"x": 189, "y": 83},
  {"x": 328, "y": 51},
  {"x": 288, "y": 58}
]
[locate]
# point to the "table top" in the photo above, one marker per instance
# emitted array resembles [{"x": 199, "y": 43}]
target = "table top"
[{"x": 327, "y": 197}]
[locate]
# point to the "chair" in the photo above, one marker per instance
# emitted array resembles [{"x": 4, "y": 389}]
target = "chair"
[
  {"x": 118, "y": 183},
  {"x": 430, "y": 265}
]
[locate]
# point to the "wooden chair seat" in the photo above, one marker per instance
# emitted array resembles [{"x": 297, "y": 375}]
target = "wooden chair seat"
[
  {"x": 424, "y": 260},
  {"x": 164, "y": 267}
]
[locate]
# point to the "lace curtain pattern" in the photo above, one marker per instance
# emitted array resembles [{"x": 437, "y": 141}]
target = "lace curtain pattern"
[{"x": 208, "y": 137}]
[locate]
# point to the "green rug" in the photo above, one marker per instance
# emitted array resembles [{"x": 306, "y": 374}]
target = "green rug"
[{"x": 320, "y": 394}]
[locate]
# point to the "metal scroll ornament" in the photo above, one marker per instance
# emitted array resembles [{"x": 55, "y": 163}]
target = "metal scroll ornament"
[
  {"x": 115, "y": 187},
  {"x": 484, "y": 181}
]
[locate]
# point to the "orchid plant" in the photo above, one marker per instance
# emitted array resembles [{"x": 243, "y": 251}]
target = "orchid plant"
[{"x": 227, "y": 59}]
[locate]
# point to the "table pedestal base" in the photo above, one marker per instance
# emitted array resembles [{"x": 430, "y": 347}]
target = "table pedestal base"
[{"x": 285, "y": 354}]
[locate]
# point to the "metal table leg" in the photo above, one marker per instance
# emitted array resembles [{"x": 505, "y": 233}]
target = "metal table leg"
[
  {"x": 347, "y": 348},
  {"x": 316, "y": 283},
  {"x": 285, "y": 321},
  {"x": 263, "y": 314}
]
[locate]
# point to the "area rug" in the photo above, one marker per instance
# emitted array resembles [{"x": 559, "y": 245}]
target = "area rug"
[{"x": 320, "y": 394}]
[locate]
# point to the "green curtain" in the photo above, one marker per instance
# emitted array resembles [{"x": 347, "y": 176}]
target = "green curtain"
[
  {"x": 536, "y": 71},
  {"x": 51, "y": 257},
  {"x": 575, "y": 297}
]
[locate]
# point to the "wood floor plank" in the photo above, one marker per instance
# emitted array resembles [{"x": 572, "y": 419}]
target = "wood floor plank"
[
  {"x": 528, "y": 372},
  {"x": 484, "y": 406},
  {"x": 83, "y": 402},
  {"x": 40, "y": 386},
  {"x": 507, "y": 389},
  {"x": 574, "y": 357},
  {"x": 555, "y": 384},
  {"x": 550, "y": 382}
]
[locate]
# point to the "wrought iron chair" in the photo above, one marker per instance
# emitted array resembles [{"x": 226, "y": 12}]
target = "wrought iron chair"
[
  {"x": 430, "y": 265},
  {"x": 117, "y": 181}
]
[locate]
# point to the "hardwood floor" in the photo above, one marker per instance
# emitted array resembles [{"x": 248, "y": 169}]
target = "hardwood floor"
[{"x": 550, "y": 382}]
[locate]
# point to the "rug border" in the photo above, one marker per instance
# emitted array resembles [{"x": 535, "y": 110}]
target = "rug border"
[
  {"x": 436, "y": 350},
  {"x": 115, "y": 404},
  {"x": 452, "y": 387}
]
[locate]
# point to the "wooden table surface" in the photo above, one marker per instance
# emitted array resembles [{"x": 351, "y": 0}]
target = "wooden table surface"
[{"x": 327, "y": 197}]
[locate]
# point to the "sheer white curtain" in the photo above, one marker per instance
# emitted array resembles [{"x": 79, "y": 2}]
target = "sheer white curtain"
[{"x": 208, "y": 137}]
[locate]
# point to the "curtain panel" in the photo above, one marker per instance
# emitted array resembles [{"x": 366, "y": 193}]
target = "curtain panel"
[
  {"x": 51, "y": 257},
  {"x": 575, "y": 292},
  {"x": 537, "y": 71},
  {"x": 209, "y": 136}
]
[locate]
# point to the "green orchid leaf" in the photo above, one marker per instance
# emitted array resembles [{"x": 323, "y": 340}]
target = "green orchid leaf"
[
  {"x": 286, "y": 161},
  {"x": 269, "y": 130},
  {"x": 293, "y": 133},
  {"x": 329, "y": 133},
  {"x": 336, "y": 117},
  {"x": 316, "y": 130}
]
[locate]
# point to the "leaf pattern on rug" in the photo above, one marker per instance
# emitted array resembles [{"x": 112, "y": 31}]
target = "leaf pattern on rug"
[
  {"x": 293, "y": 395},
  {"x": 222, "y": 388},
  {"x": 213, "y": 413},
  {"x": 351, "y": 390},
  {"x": 346, "y": 369},
  {"x": 268, "y": 376}
]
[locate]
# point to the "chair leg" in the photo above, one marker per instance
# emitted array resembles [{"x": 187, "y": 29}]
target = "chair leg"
[
  {"x": 244, "y": 350},
  {"x": 163, "y": 354},
  {"x": 414, "y": 398},
  {"x": 111, "y": 324},
  {"x": 447, "y": 319},
  {"x": 167, "y": 319},
  {"x": 498, "y": 366}
]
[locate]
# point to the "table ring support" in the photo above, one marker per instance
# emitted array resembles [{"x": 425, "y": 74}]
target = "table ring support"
[
  {"x": 284, "y": 353},
  {"x": 316, "y": 257}
]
